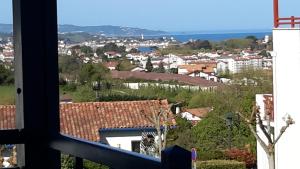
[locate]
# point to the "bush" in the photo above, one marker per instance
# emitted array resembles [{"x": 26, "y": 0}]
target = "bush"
[
  {"x": 220, "y": 164},
  {"x": 242, "y": 156}
]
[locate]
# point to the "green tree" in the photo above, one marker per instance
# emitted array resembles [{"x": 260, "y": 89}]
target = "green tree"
[
  {"x": 198, "y": 44},
  {"x": 124, "y": 65},
  {"x": 86, "y": 49},
  {"x": 6, "y": 75},
  {"x": 69, "y": 66},
  {"x": 161, "y": 68},
  {"x": 84, "y": 93},
  {"x": 253, "y": 38},
  {"x": 149, "y": 66},
  {"x": 114, "y": 47},
  {"x": 93, "y": 72},
  {"x": 179, "y": 134}
]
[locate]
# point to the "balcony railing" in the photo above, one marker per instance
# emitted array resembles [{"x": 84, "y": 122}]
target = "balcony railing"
[
  {"x": 38, "y": 138},
  {"x": 172, "y": 158}
]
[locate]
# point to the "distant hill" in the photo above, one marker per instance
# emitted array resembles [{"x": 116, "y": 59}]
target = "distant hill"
[{"x": 107, "y": 30}]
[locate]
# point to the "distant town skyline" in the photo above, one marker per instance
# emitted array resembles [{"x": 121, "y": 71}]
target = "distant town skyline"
[{"x": 168, "y": 15}]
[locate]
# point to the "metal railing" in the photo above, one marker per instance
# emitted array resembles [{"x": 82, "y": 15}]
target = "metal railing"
[
  {"x": 172, "y": 158},
  {"x": 292, "y": 21}
]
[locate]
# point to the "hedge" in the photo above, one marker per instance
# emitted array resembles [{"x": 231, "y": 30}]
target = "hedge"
[{"x": 220, "y": 164}]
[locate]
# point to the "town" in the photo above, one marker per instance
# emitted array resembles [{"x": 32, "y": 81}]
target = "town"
[{"x": 90, "y": 94}]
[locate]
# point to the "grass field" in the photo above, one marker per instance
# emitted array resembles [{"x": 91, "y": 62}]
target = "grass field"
[{"x": 7, "y": 95}]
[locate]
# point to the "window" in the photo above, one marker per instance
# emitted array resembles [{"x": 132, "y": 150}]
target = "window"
[{"x": 135, "y": 146}]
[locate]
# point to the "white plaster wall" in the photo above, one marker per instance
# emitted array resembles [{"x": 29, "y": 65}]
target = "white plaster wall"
[
  {"x": 262, "y": 160},
  {"x": 125, "y": 142},
  {"x": 286, "y": 95}
]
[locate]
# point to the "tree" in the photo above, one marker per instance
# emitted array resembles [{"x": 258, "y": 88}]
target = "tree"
[
  {"x": 179, "y": 134},
  {"x": 149, "y": 66},
  {"x": 198, "y": 44},
  {"x": 161, "y": 68},
  {"x": 86, "y": 49},
  {"x": 6, "y": 75},
  {"x": 268, "y": 146},
  {"x": 160, "y": 120},
  {"x": 69, "y": 66},
  {"x": 124, "y": 65},
  {"x": 251, "y": 37},
  {"x": 93, "y": 72}
]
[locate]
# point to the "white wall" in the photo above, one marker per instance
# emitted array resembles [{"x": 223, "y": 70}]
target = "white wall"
[
  {"x": 286, "y": 44},
  {"x": 121, "y": 139},
  {"x": 262, "y": 160}
]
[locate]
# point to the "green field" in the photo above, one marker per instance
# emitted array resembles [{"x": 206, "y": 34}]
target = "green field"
[{"x": 7, "y": 95}]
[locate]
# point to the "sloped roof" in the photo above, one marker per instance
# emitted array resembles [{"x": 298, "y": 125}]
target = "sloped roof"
[
  {"x": 199, "y": 112},
  {"x": 83, "y": 120}
]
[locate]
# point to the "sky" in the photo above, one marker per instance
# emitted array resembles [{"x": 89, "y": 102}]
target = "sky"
[{"x": 169, "y": 15}]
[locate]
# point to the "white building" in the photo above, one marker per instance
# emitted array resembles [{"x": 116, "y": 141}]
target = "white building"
[
  {"x": 237, "y": 64},
  {"x": 286, "y": 60},
  {"x": 286, "y": 65}
]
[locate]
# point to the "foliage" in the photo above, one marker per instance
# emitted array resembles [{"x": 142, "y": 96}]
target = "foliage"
[
  {"x": 93, "y": 72},
  {"x": 67, "y": 162},
  {"x": 161, "y": 68},
  {"x": 179, "y": 134},
  {"x": 7, "y": 95},
  {"x": 220, "y": 164},
  {"x": 70, "y": 87},
  {"x": 241, "y": 155},
  {"x": 251, "y": 37},
  {"x": 69, "y": 66},
  {"x": 91, "y": 165},
  {"x": 6, "y": 75},
  {"x": 174, "y": 70},
  {"x": 198, "y": 44},
  {"x": 236, "y": 44},
  {"x": 113, "y": 47},
  {"x": 149, "y": 65},
  {"x": 134, "y": 50},
  {"x": 264, "y": 53},
  {"x": 84, "y": 94},
  {"x": 86, "y": 49},
  {"x": 124, "y": 65}
]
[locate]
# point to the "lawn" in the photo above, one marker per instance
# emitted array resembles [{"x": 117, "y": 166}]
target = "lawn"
[{"x": 7, "y": 95}]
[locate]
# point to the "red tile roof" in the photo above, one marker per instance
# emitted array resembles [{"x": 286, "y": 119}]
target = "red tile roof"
[
  {"x": 83, "y": 120},
  {"x": 199, "y": 112},
  {"x": 183, "y": 79}
]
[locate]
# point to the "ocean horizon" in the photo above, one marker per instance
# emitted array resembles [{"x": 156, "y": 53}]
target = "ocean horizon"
[{"x": 211, "y": 36}]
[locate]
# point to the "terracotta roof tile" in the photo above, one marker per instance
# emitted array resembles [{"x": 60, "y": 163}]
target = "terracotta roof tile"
[{"x": 83, "y": 120}]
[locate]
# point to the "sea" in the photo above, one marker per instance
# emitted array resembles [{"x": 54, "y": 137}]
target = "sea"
[{"x": 212, "y": 36}]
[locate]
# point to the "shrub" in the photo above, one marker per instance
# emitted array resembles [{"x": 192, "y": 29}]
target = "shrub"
[
  {"x": 242, "y": 156},
  {"x": 220, "y": 164}
]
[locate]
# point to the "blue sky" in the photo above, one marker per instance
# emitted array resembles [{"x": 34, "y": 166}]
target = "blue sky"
[{"x": 168, "y": 15}]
